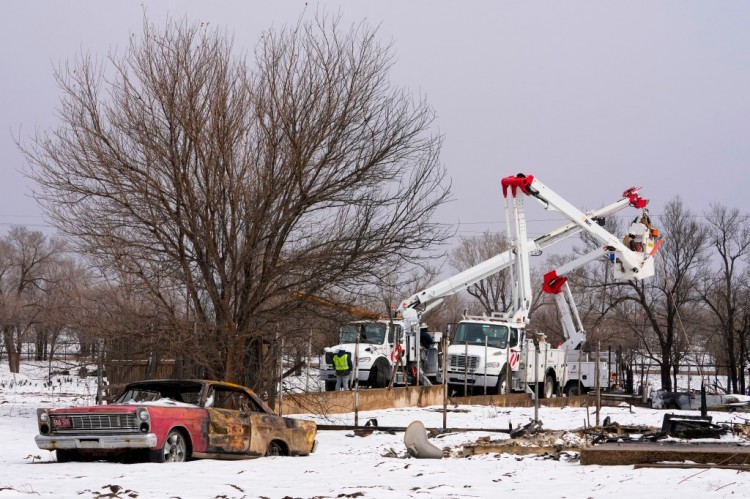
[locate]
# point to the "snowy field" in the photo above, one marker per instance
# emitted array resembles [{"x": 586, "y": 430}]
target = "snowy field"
[{"x": 344, "y": 465}]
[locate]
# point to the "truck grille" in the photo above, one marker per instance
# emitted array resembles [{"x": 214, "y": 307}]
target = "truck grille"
[
  {"x": 121, "y": 422},
  {"x": 461, "y": 362}
]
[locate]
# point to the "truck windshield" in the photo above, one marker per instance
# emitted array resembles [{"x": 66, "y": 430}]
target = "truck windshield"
[
  {"x": 474, "y": 334},
  {"x": 371, "y": 332}
]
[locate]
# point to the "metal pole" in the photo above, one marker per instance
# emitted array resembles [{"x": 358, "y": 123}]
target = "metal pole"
[
  {"x": 466, "y": 368},
  {"x": 99, "y": 380},
  {"x": 418, "y": 350},
  {"x": 309, "y": 356},
  {"x": 281, "y": 376},
  {"x": 356, "y": 382},
  {"x": 598, "y": 384},
  {"x": 485, "y": 364},
  {"x": 445, "y": 381},
  {"x": 536, "y": 381}
]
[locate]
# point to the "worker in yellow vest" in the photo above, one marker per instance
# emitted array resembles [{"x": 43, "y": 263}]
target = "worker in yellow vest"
[{"x": 342, "y": 363}]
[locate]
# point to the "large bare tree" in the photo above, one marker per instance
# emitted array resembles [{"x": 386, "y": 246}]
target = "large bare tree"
[{"x": 228, "y": 190}]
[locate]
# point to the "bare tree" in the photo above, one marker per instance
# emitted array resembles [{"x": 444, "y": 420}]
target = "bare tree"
[
  {"x": 26, "y": 260},
  {"x": 60, "y": 304},
  {"x": 729, "y": 235},
  {"x": 224, "y": 190},
  {"x": 665, "y": 304}
]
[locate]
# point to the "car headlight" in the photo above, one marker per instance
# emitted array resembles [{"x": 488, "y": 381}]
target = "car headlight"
[
  {"x": 143, "y": 414},
  {"x": 492, "y": 364},
  {"x": 364, "y": 360},
  {"x": 43, "y": 417}
]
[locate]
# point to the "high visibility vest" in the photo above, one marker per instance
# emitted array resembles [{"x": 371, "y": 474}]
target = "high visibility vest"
[{"x": 341, "y": 363}]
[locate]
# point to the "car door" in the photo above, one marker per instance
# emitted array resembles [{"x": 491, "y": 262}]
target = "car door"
[{"x": 229, "y": 425}]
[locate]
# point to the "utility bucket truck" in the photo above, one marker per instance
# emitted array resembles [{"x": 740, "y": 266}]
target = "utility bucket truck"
[
  {"x": 397, "y": 350},
  {"x": 494, "y": 352},
  {"x": 386, "y": 350}
]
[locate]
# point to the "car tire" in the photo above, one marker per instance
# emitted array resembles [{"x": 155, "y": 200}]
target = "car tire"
[
  {"x": 66, "y": 455},
  {"x": 330, "y": 386},
  {"x": 174, "y": 450},
  {"x": 276, "y": 448}
]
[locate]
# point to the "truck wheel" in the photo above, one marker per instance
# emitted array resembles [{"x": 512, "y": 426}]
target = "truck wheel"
[
  {"x": 572, "y": 389},
  {"x": 379, "y": 374},
  {"x": 330, "y": 386},
  {"x": 549, "y": 387},
  {"x": 502, "y": 382}
]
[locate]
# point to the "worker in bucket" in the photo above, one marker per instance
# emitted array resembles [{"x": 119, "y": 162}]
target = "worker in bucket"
[{"x": 342, "y": 363}]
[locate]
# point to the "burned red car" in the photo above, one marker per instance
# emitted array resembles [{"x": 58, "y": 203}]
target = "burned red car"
[{"x": 173, "y": 421}]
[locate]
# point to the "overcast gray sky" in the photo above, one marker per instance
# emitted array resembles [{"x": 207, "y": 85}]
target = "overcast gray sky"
[{"x": 591, "y": 97}]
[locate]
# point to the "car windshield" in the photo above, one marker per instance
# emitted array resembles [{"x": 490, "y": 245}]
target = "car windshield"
[
  {"x": 368, "y": 332},
  {"x": 186, "y": 393},
  {"x": 474, "y": 334}
]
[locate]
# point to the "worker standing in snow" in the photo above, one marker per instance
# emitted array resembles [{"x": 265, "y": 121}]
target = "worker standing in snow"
[{"x": 342, "y": 363}]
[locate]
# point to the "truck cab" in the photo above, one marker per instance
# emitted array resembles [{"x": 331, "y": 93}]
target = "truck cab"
[
  {"x": 377, "y": 347},
  {"x": 479, "y": 351},
  {"x": 375, "y": 342}
]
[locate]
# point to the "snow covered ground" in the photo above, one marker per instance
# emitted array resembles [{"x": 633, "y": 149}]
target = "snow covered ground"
[{"x": 344, "y": 465}]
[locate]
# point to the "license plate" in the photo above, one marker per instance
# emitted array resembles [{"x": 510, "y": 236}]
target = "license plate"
[{"x": 62, "y": 422}]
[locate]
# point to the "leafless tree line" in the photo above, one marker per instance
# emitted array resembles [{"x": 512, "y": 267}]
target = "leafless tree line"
[{"x": 696, "y": 303}]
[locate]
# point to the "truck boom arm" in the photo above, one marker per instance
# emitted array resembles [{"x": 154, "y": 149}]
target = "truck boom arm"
[{"x": 432, "y": 296}]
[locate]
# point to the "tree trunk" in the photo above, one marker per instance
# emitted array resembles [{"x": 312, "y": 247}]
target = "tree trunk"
[
  {"x": 14, "y": 352},
  {"x": 234, "y": 371}
]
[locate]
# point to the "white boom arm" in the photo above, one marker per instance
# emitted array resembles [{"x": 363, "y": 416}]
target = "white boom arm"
[
  {"x": 432, "y": 296},
  {"x": 556, "y": 283},
  {"x": 633, "y": 264}
]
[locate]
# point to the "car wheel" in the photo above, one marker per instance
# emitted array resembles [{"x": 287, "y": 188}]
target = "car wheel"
[
  {"x": 174, "y": 450},
  {"x": 275, "y": 448},
  {"x": 65, "y": 455},
  {"x": 330, "y": 386}
]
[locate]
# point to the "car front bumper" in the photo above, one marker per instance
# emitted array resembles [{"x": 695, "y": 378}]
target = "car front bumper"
[{"x": 96, "y": 442}]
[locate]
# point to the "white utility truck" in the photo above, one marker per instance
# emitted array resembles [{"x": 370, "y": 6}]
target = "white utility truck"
[{"x": 494, "y": 352}]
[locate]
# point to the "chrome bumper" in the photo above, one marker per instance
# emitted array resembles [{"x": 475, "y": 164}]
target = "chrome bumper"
[{"x": 108, "y": 442}]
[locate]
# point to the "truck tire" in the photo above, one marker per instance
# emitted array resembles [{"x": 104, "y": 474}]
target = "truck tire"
[
  {"x": 378, "y": 374},
  {"x": 499, "y": 389},
  {"x": 330, "y": 386},
  {"x": 571, "y": 390},
  {"x": 548, "y": 389}
]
